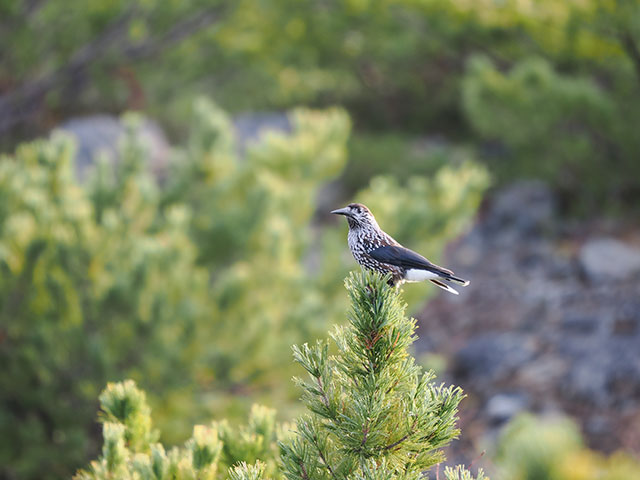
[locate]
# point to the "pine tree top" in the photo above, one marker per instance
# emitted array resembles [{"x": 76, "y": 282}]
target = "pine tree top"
[{"x": 373, "y": 412}]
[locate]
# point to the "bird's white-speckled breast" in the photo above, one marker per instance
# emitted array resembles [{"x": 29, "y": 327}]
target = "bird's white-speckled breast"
[{"x": 363, "y": 240}]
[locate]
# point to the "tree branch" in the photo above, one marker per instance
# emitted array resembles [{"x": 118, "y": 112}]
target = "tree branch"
[
  {"x": 21, "y": 104},
  {"x": 322, "y": 457},
  {"x": 325, "y": 400},
  {"x": 305, "y": 475},
  {"x": 633, "y": 51},
  {"x": 395, "y": 444},
  {"x": 398, "y": 442}
]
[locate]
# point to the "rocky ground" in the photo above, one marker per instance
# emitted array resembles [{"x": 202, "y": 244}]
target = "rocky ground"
[{"x": 549, "y": 324}]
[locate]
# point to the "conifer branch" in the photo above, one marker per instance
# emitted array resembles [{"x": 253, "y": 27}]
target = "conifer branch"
[
  {"x": 391, "y": 387},
  {"x": 398, "y": 442},
  {"x": 322, "y": 392},
  {"x": 365, "y": 432},
  {"x": 369, "y": 387},
  {"x": 303, "y": 470},
  {"x": 395, "y": 343},
  {"x": 395, "y": 444},
  {"x": 323, "y": 459}
]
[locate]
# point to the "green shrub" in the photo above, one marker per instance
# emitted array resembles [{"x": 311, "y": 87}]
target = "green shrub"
[
  {"x": 399, "y": 155},
  {"x": 110, "y": 279},
  {"x": 131, "y": 452},
  {"x": 565, "y": 129},
  {"x": 83, "y": 301},
  {"x": 393, "y": 63},
  {"x": 461, "y": 473},
  {"x": 372, "y": 413},
  {"x": 552, "y": 449},
  {"x": 397, "y": 66},
  {"x": 180, "y": 288}
]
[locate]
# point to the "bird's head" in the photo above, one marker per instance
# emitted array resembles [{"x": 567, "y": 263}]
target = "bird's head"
[{"x": 358, "y": 215}]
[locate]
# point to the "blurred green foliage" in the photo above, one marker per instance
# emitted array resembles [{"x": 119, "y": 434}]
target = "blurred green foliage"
[
  {"x": 537, "y": 449},
  {"x": 371, "y": 413},
  {"x": 461, "y": 473},
  {"x": 195, "y": 289},
  {"x": 545, "y": 88},
  {"x": 589, "y": 132},
  {"x": 83, "y": 299},
  {"x": 400, "y": 155},
  {"x": 181, "y": 287},
  {"x": 130, "y": 449}
]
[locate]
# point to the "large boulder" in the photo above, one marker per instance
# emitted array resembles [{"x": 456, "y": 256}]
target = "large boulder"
[
  {"x": 604, "y": 259},
  {"x": 101, "y": 135}
]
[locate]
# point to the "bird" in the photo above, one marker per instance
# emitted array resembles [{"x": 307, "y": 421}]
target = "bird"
[{"x": 376, "y": 250}]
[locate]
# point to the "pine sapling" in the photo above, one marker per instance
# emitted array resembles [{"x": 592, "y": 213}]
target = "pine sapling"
[
  {"x": 130, "y": 450},
  {"x": 461, "y": 473},
  {"x": 373, "y": 413}
]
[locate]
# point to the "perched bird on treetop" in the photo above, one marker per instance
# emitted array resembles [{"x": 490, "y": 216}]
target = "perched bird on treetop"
[{"x": 375, "y": 250}]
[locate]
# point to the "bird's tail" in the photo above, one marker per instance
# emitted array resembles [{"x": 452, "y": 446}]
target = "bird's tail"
[
  {"x": 443, "y": 286},
  {"x": 446, "y": 274},
  {"x": 458, "y": 280}
]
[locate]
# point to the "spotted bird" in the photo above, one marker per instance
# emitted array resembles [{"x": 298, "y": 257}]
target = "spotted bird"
[{"x": 376, "y": 250}]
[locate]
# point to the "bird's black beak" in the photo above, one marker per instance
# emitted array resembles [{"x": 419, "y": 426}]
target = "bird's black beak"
[{"x": 341, "y": 211}]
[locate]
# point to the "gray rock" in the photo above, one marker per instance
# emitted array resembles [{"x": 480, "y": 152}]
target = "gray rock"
[
  {"x": 523, "y": 209},
  {"x": 605, "y": 371},
  {"x": 502, "y": 407},
  {"x": 249, "y": 127},
  {"x": 587, "y": 381},
  {"x": 605, "y": 259},
  {"x": 493, "y": 357},
  {"x": 579, "y": 323},
  {"x": 529, "y": 322},
  {"x": 597, "y": 425},
  {"x": 101, "y": 135}
]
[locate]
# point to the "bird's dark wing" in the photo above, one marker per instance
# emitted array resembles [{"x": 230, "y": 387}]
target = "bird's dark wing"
[{"x": 405, "y": 258}]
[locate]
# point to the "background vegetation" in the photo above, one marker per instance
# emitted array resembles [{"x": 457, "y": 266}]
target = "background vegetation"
[
  {"x": 195, "y": 286},
  {"x": 196, "y": 290},
  {"x": 543, "y": 88}
]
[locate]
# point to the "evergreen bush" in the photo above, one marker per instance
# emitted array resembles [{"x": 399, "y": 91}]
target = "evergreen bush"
[
  {"x": 566, "y": 129},
  {"x": 121, "y": 277},
  {"x": 531, "y": 448},
  {"x": 372, "y": 413},
  {"x": 83, "y": 300},
  {"x": 386, "y": 61}
]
